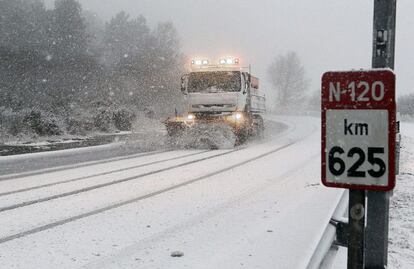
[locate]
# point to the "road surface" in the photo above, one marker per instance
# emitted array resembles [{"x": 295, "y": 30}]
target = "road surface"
[{"x": 256, "y": 206}]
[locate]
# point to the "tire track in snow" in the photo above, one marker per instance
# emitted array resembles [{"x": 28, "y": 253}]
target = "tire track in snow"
[
  {"x": 194, "y": 221},
  {"x": 74, "y": 166},
  {"x": 57, "y": 196},
  {"x": 99, "y": 174},
  {"x": 98, "y": 186},
  {"x": 152, "y": 194}
]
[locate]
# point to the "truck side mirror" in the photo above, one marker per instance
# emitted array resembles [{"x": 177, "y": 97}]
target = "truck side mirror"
[
  {"x": 246, "y": 83},
  {"x": 184, "y": 83}
]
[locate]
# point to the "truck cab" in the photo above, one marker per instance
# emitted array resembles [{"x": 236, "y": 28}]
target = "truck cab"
[
  {"x": 215, "y": 91},
  {"x": 224, "y": 93}
]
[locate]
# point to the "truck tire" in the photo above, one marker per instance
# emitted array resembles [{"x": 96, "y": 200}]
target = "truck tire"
[
  {"x": 175, "y": 131},
  {"x": 258, "y": 126},
  {"x": 241, "y": 136}
]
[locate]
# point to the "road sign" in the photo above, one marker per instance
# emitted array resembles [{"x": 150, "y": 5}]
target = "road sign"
[{"x": 358, "y": 129}]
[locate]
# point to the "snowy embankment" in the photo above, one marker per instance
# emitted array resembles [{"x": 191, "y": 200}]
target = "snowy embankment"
[
  {"x": 401, "y": 247},
  {"x": 147, "y": 134},
  {"x": 257, "y": 206},
  {"x": 401, "y": 225}
]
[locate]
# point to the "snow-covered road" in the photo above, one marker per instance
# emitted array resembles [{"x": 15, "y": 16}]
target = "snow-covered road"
[{"x": 257, "y": 206}]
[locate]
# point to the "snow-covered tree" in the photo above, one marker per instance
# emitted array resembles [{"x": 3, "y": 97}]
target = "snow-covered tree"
[
  {"x": 143, "y": 64},
  {"x": 22, "y": 24},
  {"x": 69, "y": 29},
  {"x": 125, "y": 39},
  {"x": 23, "y": 46},
  {"x": 287, "y": 76},
  {"x": 66, "y": 64},
  {"x": 95, "y": 29},
  {"x": 167, "y": 65}
]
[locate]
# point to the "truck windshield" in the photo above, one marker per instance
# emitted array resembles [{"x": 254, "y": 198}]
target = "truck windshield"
[{"x": 212, "y": 82}]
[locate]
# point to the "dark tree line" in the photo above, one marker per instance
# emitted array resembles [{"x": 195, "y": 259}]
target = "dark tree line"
[{"x": 70, "y": 71}]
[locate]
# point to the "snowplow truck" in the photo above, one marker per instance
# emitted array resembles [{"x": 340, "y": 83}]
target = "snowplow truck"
[{"x": 223, "y": 94}]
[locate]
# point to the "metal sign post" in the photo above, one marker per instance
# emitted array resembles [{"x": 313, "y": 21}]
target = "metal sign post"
[
  {"x": 378, "y": 202},
  {"x": 356, "y": 217}
]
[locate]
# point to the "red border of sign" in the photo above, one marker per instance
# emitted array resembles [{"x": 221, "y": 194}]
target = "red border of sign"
[{"x": 387, "y": 76}]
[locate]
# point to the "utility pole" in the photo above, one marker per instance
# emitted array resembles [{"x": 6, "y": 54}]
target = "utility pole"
[{"x": 376, "y": 236}]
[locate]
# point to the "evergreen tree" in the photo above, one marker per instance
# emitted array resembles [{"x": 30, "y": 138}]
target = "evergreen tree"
[
  {"x": 95, "y": 30},
  {"x": 50, "y": 64},
  {"x": 125, "y": 39},
  {"x": 22, "y": 25},
  {"x": 166, "y": 66},
  {"x": 69, "y": 30},
  {"x": 126, "y": 46}
]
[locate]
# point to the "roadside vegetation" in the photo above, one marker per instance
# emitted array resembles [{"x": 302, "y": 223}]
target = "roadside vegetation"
[
  {"x": 65, "y": 71},
  {"x": 290, "y": 85}
]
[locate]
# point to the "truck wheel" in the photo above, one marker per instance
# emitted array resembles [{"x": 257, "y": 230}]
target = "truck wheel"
[
  {"x": 260, "y": 131},
  {"x": 175, "y": 132},
  {"x": 259, "y": 128},
  {"x": 241, "y": 137}
]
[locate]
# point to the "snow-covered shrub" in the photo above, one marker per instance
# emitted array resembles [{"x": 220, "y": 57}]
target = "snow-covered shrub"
[
  {"x": 26, "y": 124},
  {"x": 103, "y": 120},
  {"x": 123, "y": 119},
  {"x": 43, "y": 123},
  {"x": 79, "y": 125},
  {"x": 12, "y": 123}
]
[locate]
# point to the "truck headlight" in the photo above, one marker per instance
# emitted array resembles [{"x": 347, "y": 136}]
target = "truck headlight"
[
  {"x": 190, "y": 117},
  {"x": 238, "y": 116}
]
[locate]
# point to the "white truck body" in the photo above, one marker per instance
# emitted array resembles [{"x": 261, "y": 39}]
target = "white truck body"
[
  {"x": 243, "y": 97},
  {"x": 221, "y": 94}
]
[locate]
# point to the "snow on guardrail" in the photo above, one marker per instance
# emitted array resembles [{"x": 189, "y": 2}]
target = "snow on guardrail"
[{"x": 324, "y": 254}]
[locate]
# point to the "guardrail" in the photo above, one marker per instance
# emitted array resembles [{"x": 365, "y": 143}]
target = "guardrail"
[{"x": 326, "y": 249}]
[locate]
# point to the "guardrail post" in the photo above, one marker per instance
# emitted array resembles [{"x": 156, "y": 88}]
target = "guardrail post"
[{"x": 342, "y": 233}]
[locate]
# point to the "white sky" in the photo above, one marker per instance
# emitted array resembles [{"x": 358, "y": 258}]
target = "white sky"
[{"x": 327, "y": 34}]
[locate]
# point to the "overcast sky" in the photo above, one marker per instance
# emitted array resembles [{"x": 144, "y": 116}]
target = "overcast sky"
[{"x": 327, "y": 34}]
